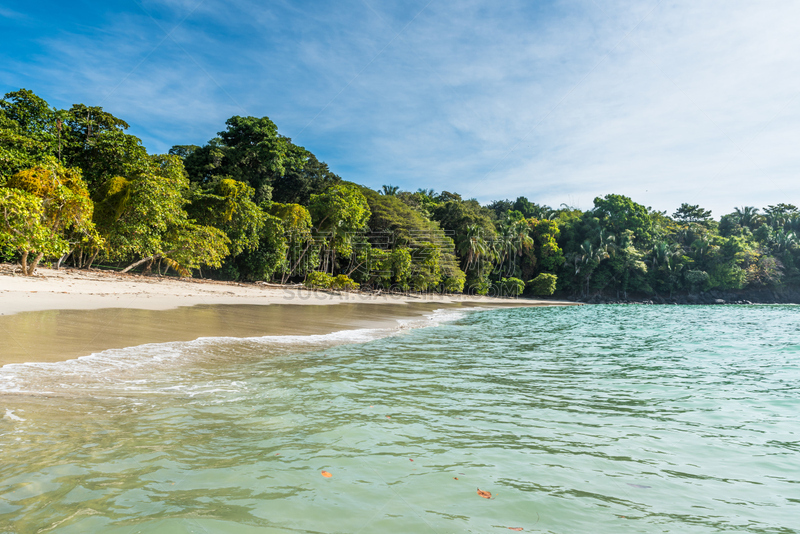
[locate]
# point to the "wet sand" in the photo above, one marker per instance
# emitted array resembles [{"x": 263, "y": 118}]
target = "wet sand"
[
  {"x": 60, "y": 315},
  {"x": 58, "y": 335}
]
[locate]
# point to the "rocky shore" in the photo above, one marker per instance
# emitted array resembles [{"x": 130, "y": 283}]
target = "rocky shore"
[{"x": 744, "y": 296}]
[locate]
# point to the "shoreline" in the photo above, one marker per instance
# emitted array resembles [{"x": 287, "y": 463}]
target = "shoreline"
[
  {"x": 74, "y": 289},
  {"x": 61, "y": 315}
]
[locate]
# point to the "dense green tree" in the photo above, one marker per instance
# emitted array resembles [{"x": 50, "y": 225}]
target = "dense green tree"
[
  {"x": 304, "y": 175},
  {"x": 60, "y": 220},
  {"x": 339, "y": 214},
  {"x": 543, "y": 285},
  {"x": 23, "y": 228},
  {"x": 142, "y": 218},
  {"x": 688, "y": 213},
  {"x": 227, "y": 205},
  {"x": 618, "y": 213},
  {"x": 96, "y": 142}
]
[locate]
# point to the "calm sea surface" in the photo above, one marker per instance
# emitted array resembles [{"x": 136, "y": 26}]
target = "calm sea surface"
[{"x": 593, "y": 419}]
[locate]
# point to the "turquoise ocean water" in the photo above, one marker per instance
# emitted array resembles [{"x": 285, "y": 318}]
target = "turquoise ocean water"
[{"x": 593, "y": 419}]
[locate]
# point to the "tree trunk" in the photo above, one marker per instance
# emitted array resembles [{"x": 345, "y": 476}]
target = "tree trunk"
[
  {"x": 62, "y": 259},
  {"x": 138, "y": 263},
  {"x": 24, "y": 262},
  {"x": 32, "y": 266},
  {"x": 91, "y": 260},
  {"x": 297, "y": 263}
]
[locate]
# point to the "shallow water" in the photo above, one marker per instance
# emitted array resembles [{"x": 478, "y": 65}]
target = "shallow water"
[{"x": 599, "y": 419}]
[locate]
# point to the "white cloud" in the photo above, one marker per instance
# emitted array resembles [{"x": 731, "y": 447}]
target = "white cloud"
[{"x": 666, "y": 102}]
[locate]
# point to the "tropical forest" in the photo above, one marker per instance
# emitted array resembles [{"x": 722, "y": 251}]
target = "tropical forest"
[{"x": 77, "y": 190}]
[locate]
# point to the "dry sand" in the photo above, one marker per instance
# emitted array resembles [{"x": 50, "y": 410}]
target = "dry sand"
[{"x": 59, "y": 315}]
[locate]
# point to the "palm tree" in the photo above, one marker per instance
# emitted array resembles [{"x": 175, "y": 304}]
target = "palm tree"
[
  {"x": 504, "y": 246},
  {"x": 608, "y": 243},
  {"x": 674, "y": 266},
  {"x": 660, "y": 254},
  {"x": 591, "y": 256},
  {"x": 390, "y": 190},
  {"x": 472, "y": 246},
  {"x": 747, "y": 216},
  {"x": 784, "y": 241},
  {"x": 521, "y": 240}
]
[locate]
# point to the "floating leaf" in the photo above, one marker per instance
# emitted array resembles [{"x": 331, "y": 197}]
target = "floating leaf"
[
  {"x": 410, "y": 460},
  {"x": 516, "y": 529},
  {"x": 455, "y": 478},
  {"x": 484, "y": 494},
  {"x": 326, "y": 474}
]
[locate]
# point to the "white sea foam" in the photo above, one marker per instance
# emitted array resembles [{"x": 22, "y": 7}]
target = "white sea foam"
[
  {"x": 10, "y": 415},
  {"x": 138, "y": 369}
]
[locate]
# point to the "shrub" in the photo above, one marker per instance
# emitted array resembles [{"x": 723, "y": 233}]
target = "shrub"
[
  {"x": 455, "y": 282},
  {"x": 511, "y": 287},
  {"x": 342, "y": 282},
  {"x": 697, "y": 280},
  {"x": 478, "y": 283},
  {"x": 543, "y": 285},
  {"x": 319, "y": 280}
]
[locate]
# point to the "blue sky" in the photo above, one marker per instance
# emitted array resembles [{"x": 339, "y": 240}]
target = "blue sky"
[{"x": 663, "y": 101}]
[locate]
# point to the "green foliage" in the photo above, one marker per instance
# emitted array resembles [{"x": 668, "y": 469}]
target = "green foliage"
[
  {"x": 95, "y": 141},
  {"x": 399, "y": 264},
  {"x": 688, "y": 213},
  {"x": 426, "y": 270},
  {"x": 66, "y": 212},
  {"x": 617, "y": 213},
  {"x": 249, "y": 150},
  {"x": 192, "y": 246},
  {"x": 456, "y": 216},
  {"x": 304, "y": 175},
  {"x": 74, "y": 181},
  {"x": 298, "y": 252},
  {"x": 343, "y": 282},
  {"x": 543, "y": 285},
  {"x": 267, "y": 258},
  {"x": 511, "y": 287},
  {"x": 143, "y": 217},
  {"x": 340, "y": 213},
  {"x": 432, "y": 251},
  {"x": 697, "y": 280},
  {"x": 134, "y": 214},
  {"x": 228, "y": 206},
  {"x": 340, "y": 209},
  {"x": 29, "y": 132},
  {"x": 319, "y": 280},
  {"x": 726, "y": 276},
  {"x": 550, "y": 257},
  {"x": 23, "y": 228},
  {"x": 478, "y": 282},
  {"x": 454, "y": 283}
]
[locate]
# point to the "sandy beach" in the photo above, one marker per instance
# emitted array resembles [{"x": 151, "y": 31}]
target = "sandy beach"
[{"x": 62, "y": 314}]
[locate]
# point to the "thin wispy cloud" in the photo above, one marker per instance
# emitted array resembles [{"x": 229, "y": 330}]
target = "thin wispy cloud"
[{"x": 666, "y": 102}]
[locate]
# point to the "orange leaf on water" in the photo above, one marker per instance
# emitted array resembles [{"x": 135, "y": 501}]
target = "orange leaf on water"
[
  {"x": 410, "y": 460},
  {"x": 326, "y": 474},
  {"x": 455, "y": 478},
  {"x": 484, "y": 494},
  {"x": 516, "y": 529}
]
